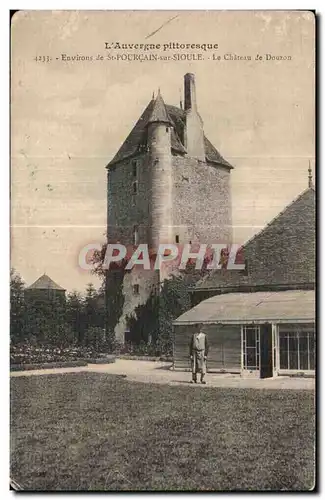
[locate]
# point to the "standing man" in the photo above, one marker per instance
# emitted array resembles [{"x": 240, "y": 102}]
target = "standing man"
[{"x": 199, "y": 349}]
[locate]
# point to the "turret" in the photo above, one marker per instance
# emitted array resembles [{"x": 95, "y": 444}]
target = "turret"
[
  {"x": 194, "y": 135},
  {"x": 160, "y": 168}
]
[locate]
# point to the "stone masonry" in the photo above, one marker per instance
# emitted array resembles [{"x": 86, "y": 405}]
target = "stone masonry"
[{"x": 166, "y": 184}]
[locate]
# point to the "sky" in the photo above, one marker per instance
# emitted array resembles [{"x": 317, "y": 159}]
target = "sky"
[{"x": 69, "y": 118}]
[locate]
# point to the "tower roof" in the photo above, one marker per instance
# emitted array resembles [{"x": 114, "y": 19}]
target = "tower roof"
[
  {"x": 157, "y": 111},
  {"x": 45, "y": 283}
]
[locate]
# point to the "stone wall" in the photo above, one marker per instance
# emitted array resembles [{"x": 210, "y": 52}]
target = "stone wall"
[
  {"x": 126, "y": 209},
  {"x": 201, "y": 202},
  {"x": 200, "y": 212}
]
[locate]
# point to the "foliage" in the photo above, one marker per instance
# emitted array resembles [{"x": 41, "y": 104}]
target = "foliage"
[
  {"x": 82, "y": 319},
  {"x": 26, "y": 353},
  {"x": 95, "y": 337},
  {"x": 48, "y": 320},
  {"x": 114, "y": 302},
  {"x": 17, "y": 307},
  {"x": 153, "y": 321},
  {"x": 74, "y": 314},
  {"x": 112, "y": 289}
]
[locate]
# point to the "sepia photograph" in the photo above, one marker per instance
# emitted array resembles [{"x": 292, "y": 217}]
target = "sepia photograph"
[{"x": 162, "y": 250}]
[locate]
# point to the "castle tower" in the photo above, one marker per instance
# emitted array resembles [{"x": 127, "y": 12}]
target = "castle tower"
[
  {"x": 160, "y": 175},
  {"x": 166, "y": 184}
]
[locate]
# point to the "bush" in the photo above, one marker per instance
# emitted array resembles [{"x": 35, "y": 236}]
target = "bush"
[
  {"x": 141, "y": 349},
  {"x": 27, "y": 353}
]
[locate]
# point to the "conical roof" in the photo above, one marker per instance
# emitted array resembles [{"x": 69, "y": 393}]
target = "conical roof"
[
  {"x": 45, "y": 283},
  {"x": 159, "y": 112}
]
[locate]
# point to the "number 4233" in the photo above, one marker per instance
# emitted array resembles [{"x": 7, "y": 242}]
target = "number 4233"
[{"x": 42, "y": 58}]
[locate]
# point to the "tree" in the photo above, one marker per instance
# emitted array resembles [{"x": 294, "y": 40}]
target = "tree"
[
  {"x": 111, "y": 291},
  {"x": 46, "y": 320},
  {"x": 74, "y": 315},
  {"x": 17, "y": 307},
  {"x": 95, "y": 338}
]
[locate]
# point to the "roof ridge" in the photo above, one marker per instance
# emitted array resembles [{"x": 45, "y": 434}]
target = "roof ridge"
[
  {"x": 278, "y": 215},
  {"x": 274, "y": 219}
]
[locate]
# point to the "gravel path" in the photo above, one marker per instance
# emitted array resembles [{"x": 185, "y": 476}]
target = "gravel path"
[{"x": 160, "y": 373}]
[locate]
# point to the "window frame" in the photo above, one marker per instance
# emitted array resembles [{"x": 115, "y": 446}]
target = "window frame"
[{"x": 285, "y": 332}]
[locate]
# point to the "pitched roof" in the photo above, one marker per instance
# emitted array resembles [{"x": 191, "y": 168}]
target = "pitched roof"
[
  {"x": 310, "y": 191},
  {"x": 296, "y": 306},
  {"x": 45, "y": 283},
  {"x": 157, "y": 110},
  {"x": 281, "y": 253}
]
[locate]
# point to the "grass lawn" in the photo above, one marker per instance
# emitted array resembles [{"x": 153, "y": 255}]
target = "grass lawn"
[{"x": 89, "y": 431}]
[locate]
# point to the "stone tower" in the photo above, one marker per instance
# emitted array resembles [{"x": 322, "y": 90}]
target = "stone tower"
[
  {"x": 166, "y": 184},
  {"x": 160, "y": 175}
]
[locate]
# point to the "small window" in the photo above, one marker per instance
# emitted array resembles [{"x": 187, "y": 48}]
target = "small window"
[
  {"x": 177, "y": 238},
  {"x": 136, "y": 289},
  {"x": 135, "y": 187},
  {"x": 167, "y": 129},
  {"x": 135, "y": 235},
  {"x": 135, "y": 168}
]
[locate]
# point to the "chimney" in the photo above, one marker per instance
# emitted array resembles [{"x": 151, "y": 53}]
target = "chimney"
[
  {"x": 194, "y": 135},
  {"x": 189, "y": 91}
]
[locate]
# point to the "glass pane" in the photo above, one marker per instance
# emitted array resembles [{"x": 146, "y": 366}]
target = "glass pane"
[
  {"x": 311, "y": 361},
  {"x": 283, "y": 359},
  {"x": 303, "y": 343},
  {"x": 311, "y": 342},
  {"x": 312, "y": 351},
  {"x": 251, "y": 357},
  {"x": 303, "y": 360},
  {"x": 303, "y": 351},
  {"x": 250, "y": 337},
  {"x": 293, "y": 344},
  {"x": 283, "y": 343},
  {"x": 283, "y": 348},
  {"x": 293, "y": 360},
  {"x": 287, "y": 334}
]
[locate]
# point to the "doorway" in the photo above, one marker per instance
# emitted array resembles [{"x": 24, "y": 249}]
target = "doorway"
[
  {"x": 251, "y": 350},
  {"x": 266, "y": 365}
]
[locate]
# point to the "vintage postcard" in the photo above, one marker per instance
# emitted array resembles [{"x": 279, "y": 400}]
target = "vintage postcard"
[{"x": 162, "y": 330}]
